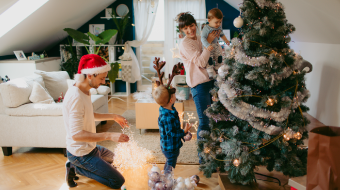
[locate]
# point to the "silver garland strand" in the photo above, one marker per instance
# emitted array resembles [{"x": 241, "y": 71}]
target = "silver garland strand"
[{"x": 249, "y": 112}]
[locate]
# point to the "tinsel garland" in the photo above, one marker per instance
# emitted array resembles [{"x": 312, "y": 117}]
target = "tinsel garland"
[
  {"x": 275, "y": 78},
  {"x": 249, "y": 112},
  {"x": 241, "y": 57}
]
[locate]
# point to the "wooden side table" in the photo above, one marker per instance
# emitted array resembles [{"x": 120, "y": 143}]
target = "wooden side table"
[{"x": 147, "y": 112}]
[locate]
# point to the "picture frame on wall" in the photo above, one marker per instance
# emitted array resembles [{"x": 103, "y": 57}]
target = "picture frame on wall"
[
  {"x": 96, "y": 29},
  {"x": 20, "y": 55},
  {"x": 108, "y": 12}
]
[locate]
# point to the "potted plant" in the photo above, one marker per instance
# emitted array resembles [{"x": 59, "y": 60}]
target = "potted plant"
[
  {"x": 70, "y": 65},
  {"x": 121, "y": 25},
  {"x": 101, "y": 39}
]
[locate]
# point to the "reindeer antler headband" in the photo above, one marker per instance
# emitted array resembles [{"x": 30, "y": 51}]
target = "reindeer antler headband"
[{"x": 175, "y": 71}]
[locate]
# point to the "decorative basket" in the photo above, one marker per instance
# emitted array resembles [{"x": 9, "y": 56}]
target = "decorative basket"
[
  {"x": 126, "y": 70},
  {"x": 183, "y": 87}
]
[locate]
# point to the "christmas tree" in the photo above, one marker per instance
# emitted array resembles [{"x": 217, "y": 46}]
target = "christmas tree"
[{"x": 258, "y": 119}]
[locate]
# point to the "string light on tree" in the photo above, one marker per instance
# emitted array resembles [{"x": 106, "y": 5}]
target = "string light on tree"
[{"x": 207, "y": 150}]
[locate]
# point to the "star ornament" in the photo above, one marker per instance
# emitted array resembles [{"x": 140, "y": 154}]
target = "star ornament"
[{"x": 175, "y": 52}]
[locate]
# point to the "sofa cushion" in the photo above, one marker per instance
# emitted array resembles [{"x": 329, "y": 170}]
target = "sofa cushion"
[
  {"x": 39, "y": 109},
  {"x": 98, "y": 101},
  {"x": 40, "y": 95},
  {"x": 2, "y": 106},
  {"x": 55, "y": 82},
  {"x": 17, "y": 91},
  {"x": 103, "y": 90},
  {"x": 36, "y": 109}
]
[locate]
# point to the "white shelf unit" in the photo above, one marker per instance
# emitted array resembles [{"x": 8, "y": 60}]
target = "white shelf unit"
[{"x": 112, "y": 55}]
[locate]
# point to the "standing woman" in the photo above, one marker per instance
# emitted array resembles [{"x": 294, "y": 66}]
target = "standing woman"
[{"x": 195, "y": 60}]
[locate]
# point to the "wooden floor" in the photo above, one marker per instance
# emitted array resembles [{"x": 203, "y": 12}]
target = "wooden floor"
[{"x": 43, "y": 168}]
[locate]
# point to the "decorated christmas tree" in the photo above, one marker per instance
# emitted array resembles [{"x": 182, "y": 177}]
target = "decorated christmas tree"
[{"x": 257, "y": 118}]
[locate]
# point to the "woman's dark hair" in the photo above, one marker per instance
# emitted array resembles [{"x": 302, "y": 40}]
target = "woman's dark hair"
[{"x": 185, "y": 19}]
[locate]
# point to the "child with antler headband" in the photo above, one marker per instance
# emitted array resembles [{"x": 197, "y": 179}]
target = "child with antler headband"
[{"x": 168, "y": 120}]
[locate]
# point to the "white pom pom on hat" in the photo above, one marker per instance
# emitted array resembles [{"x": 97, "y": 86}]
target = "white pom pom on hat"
[{"x": 91, "y": 64}]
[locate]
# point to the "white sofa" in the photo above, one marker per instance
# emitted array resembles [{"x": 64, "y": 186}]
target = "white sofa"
[{"x": 27, "y": 124}]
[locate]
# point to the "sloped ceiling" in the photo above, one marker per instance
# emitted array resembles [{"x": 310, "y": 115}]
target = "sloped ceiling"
[
  {"x": 316, "y": 21},
  {"x": 44, "y": 27}
]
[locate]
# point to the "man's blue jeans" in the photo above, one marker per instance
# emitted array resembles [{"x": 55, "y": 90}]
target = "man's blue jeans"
[
  {"x": 97, "y": 165},
  {"x": 202, "y": 99},
  {"x": 171, "y": 159}
]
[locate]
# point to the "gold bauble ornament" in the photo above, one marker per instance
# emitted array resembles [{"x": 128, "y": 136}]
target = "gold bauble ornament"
[
  {"x": 270, "y": 102},
  {"x": 286, "y": 137},
  {"x": 298, "y": 135},
  {"x": 236, "y": 162},
  {"x": 207, "y": 150}
]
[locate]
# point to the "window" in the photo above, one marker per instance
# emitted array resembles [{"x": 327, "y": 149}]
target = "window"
[{"x": 17, "y": 13}]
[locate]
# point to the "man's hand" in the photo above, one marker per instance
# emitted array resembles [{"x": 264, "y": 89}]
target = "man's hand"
[
  {"x": 187, "y": 127},
  {"x": 119, "y": 137},
  {"x": 121, "y": 121},
  {"x": 210, "y": 48}
]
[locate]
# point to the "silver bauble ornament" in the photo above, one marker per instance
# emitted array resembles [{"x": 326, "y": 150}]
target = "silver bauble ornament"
[
  {"x": 195, "y": 178},
  {"x": 188, "y": 136},
  {"x": 238, "y": 22},
  {"x": 160, "y": 186},
  {"x": 154, "y": 176},
  {"x": 151, "y": 184},
  {"x": 155, "y": 169}
]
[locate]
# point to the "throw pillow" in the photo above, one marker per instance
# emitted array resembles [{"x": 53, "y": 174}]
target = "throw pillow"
[
  {"x": 103, "y": 90},
  {"x": 55, "y": 82},
  {"x": 39, "y": 95},
  {"x": 17, "y": 91}
]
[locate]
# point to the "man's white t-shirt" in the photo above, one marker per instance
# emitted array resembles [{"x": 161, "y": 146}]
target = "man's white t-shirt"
[{"x": 78, "y": 115}]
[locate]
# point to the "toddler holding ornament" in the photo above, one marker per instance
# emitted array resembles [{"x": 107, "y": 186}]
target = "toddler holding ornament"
[
  {"x": 168, "y": 120},
  {"x": 215, "y": 24}
]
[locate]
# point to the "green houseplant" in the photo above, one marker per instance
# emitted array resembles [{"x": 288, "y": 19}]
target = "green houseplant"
[
  {"x": 101, "y": 39},
  {"x": 121, "y": 25},
  {"x": 70, "y": 65}
]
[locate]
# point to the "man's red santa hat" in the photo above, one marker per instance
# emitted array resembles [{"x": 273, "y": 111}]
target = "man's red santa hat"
[{"x": 91, "y": 64}]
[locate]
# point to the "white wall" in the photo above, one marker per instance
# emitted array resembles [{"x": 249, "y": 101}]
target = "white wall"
[{"x": 324, "y": 81}]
